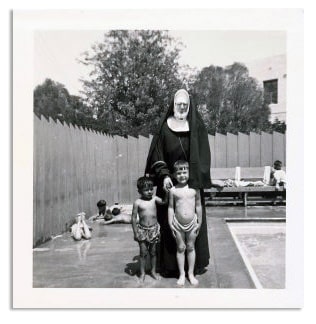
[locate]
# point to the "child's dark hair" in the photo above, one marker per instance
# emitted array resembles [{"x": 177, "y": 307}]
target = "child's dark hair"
[
  {"x": 101, "y": 203},
  {"x": 180, "y": 164},
  {"x": 277, "y": 163},
  {"x": 144, "y": 182}
]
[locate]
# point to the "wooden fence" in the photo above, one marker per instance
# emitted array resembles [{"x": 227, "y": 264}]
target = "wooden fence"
[{"x": 74, "y": 168}]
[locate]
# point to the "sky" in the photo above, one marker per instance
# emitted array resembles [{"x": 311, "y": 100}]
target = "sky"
[{"x": 56, "y": 53}]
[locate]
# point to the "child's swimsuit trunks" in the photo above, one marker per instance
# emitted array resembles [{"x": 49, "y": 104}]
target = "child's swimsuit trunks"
[
  {"x": 184, "y": 228},
  {"x": 150, "y": 234}
]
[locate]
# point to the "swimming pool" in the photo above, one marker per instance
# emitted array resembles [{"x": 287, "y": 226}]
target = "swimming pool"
[{"x": 262, "y": 247}]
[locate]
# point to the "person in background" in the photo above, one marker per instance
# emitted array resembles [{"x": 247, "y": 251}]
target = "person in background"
[
  {"x": 278, "y": 176},
  {"x": 80, "y": 229}
]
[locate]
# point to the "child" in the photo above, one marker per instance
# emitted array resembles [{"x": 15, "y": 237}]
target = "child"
[
  {"x": 147, "y": 230},
  {"x": 185, "y": 219},
  {"x": 80, "y": 229},
  {"x": 121, "y": 218},
  {"x": 277, "y": 176},
  {"x": 101, "y": 204}
]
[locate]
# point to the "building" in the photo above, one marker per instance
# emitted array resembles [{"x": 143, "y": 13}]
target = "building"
[{"x": 271, "y": 73}]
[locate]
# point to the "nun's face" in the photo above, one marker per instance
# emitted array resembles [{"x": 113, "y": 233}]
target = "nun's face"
[{"x": 181, "y": 107}]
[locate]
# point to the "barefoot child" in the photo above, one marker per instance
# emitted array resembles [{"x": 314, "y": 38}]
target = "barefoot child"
[
  {"x": 278, "y": 177},
  {"x": 80, "y": 229},
  {"x": 147, "y": 230},
  {"x": 185, "y": 219}
]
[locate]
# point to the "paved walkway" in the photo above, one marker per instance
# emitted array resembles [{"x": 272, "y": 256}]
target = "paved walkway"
[{"x": 110, "y": 258}]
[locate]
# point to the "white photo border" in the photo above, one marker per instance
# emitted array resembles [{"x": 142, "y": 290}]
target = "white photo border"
[{"x": 24, "y": 25}]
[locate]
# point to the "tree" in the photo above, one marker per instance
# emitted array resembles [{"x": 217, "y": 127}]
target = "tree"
[
  {"x": 134, "y": 74},
  {"x": 52, "y": 99},
  {"x": 278, "y": 126},
  {"x": 229, "y": 100}
]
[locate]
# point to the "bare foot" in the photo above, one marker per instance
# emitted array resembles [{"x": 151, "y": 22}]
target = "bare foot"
[
  {"x": 142, "y": 277},
  {"x": 155, "y": 275},
  {"x": 193, "y": 280},
  {"x": 181, "y": 280}
]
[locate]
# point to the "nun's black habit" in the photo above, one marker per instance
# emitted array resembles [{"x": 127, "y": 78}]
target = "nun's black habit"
[{"x": 166, "y": 148}]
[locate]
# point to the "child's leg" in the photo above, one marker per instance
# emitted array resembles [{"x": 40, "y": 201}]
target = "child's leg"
[
  {"x": 142, "y": 259},
  {"x": 180, "y": 240},
  {"x": 86, "y": 232},
  {"x": 111, "y": 221},
  {"x": 153, "y": 260},
  {"x": 191, "y": 237},
  {"x": 76, "y": 232}
]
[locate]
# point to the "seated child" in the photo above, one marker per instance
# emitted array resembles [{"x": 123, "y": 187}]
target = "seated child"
[
  {"x": 185, "y": 219},
  {"x": 277, "y": 176},
  {"x": 101, "y": 204},
  {"x": 80, "y": 229},
  {"x": 147, "y": 230}
]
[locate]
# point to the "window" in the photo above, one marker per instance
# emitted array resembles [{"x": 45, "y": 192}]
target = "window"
[{"x": 271, "y": 91}]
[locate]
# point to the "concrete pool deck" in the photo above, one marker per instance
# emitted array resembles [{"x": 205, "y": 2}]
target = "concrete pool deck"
[{"x": 110, "y": 258}]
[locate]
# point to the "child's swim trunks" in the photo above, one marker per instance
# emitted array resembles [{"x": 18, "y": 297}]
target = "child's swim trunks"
[
  {"x": 184, "y": 228},
  {"x": 150, "y": 234}
]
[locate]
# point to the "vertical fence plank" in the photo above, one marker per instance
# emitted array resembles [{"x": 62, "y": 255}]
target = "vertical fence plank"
[
  {"x": 266, "y": 149},
  {"x": 278, "y": 147},
  {"x": 98, "y": 172},
  {"x": 255, "y": 151},
  {"x": 41, "y": 152},
  {"x": 80, "y": 162},
  {"x": 94, "y": 175},
  {"x": 57, "y": 175},
  {"x": 123, "y": 169},
  {"x": 74, "y": 147},
  {"x": 112, "y": 171},
  {"x": 142, "y": 149},
  {"x": 63, "y": 156},
  {"x": 37, "y": 179},
  {"x": 232, "y": 153},
  {"x": 243, "y": 150},
  {"x": 211, "y": 140},
  {"x": 134, "y": 172},
  {"x": 220, "y": 151},
  {"x": 49, "y": 161}
]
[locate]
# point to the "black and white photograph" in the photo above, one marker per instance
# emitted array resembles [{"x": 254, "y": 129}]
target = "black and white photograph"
[{"x": 159, "y": 158}]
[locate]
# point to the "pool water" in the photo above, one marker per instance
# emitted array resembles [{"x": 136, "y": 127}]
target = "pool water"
[{"x": 262, "y": 247}]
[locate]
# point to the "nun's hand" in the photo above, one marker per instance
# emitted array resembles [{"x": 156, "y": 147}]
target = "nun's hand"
[{"x": 167, "y": 184}]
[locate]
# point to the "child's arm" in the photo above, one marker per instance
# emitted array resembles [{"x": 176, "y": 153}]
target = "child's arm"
[
  {"x": 163, "y": 201},
  {"x": 171, "y": 211},
  {"x": 198, "y": 209},
  {"x": 134, "y": 219}
]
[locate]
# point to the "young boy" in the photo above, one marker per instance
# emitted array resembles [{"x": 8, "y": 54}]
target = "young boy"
[
  {"x": 147, "y": 230},
  {"x": 185, "y": 219},
  {"x": 80, "y": 229},
  {"x": 101, "y": 204},
  {"x": 277, "y": 176}
]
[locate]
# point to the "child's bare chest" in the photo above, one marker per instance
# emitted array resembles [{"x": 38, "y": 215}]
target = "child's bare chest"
[
  {"x": 186, "y": 194},
  {"x": 147, "y": 205}
]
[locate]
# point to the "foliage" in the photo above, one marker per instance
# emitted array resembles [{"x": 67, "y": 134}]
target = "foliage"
[
  {"x": 230, "y": 100},
  {"x": 134, "y": 76},
  {"x": 52, "y": 99},
  {"x": 277, "y": 126}
]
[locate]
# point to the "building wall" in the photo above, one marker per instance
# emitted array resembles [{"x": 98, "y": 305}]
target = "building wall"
[{"x": 271, "y": 68}]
